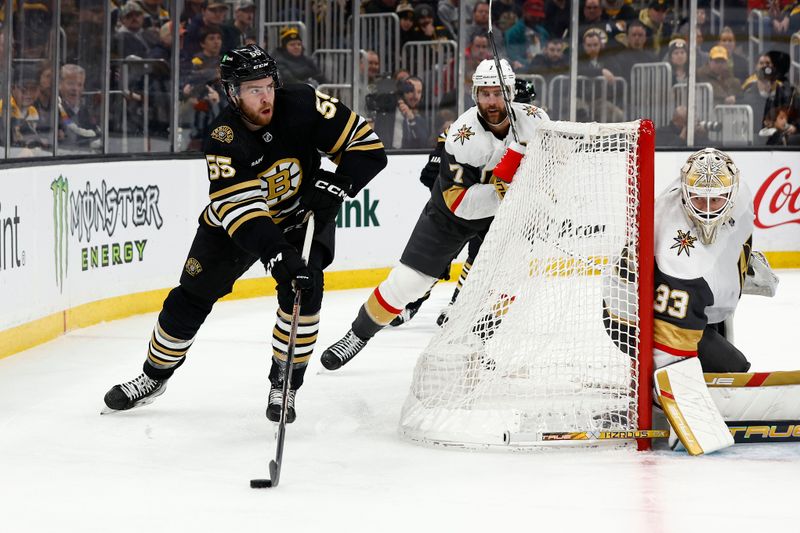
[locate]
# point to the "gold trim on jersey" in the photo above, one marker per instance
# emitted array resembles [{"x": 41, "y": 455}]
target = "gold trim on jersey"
[
  {"x": 345, "y": 133},
  {"x": 676, "y": 337},
  {"x": 451, "y": 195},
  {"x": 223, "y": 210},
  {"x": 250, "y": 184},
  {"x": 364, "y": 147}
]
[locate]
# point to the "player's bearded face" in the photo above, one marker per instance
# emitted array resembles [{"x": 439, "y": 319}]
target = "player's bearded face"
[
  {"x": 491, "y": 104},
  {"x": 257, "y": 100}
]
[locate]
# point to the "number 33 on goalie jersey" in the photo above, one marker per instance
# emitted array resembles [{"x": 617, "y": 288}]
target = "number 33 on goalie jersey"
[
  {"x": 695, "y": 284},
  {"x": 258, "y": 177},
  {"x": 471, "y": 151}
]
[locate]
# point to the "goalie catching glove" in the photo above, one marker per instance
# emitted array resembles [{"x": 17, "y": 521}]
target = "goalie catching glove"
[
  {"x": 760, "y": 279},
  {"x": 326, "y": 195},
  {"x": 503, "y": 173}
]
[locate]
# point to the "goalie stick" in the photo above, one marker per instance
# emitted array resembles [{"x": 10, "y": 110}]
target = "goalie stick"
[
  {"x": 275, "y": 464},
  {"x": 506, "y": 97}
]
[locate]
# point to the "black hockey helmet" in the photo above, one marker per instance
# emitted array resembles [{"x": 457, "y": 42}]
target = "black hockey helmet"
[{"x": 245, "y": 63}]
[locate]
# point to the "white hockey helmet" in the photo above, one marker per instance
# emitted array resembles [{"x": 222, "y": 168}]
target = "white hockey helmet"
[
  {"x": 709, "y": 183},
  {"x": 486, "y": 76}
]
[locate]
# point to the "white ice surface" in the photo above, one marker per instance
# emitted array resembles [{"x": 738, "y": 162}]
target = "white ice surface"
[{"x": 183, "y": 464}]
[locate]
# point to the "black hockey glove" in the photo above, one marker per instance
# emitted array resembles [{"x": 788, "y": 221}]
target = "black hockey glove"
[
  {"x": 286, "y": 266},
  {"x": 326, "y": 195}
]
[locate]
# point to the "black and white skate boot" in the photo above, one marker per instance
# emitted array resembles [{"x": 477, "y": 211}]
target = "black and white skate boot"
[
  {"x": 137, "y": 392},
  {"x": 275, "y": 405},
  {"x": 339, "y": 353}
]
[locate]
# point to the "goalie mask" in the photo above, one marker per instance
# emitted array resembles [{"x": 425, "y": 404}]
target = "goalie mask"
[
  {"x": 709, "y": 183},
  {"x": 245, "y": 63},
  {"x": 486, "y": 76}
]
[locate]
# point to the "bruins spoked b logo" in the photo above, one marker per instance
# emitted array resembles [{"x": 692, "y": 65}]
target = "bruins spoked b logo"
[{"x": 281, "y": 180}]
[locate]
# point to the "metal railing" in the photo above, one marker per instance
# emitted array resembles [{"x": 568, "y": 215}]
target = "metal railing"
[
  {"x": 431, "y": 61},
  {"x": 736, "y": 125},
  {"x": 704, "y": 99},
  {"x": 650, "y": 92},
  {"x": 381, "y": 34}
]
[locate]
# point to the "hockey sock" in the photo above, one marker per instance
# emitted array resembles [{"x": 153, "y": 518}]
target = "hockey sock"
[
  {"x": 304, "y": 345},
  {"x": 165, "y": 353}
]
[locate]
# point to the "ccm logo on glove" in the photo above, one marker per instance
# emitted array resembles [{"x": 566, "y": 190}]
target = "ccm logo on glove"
[{"x": 331, "y": 188}]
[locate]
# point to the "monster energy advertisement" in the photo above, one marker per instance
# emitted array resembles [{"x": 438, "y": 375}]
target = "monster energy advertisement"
[{"x": 91, "y": 217}]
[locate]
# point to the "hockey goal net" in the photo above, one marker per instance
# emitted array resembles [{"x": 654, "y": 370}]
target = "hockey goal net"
[{"x": 543, "y": 337}]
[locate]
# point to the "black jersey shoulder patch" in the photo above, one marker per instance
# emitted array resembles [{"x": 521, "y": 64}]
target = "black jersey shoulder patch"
[{"x": 223, "y": 134}]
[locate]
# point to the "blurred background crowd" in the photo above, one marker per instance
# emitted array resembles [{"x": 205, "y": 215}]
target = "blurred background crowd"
[{"x": 103, "y": 76}]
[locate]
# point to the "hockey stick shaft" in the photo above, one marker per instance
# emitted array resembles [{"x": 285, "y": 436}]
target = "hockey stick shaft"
[
  {"x": 607, "y": 435},
  {"x": 764, "y": 431},
  {"x": 506, "y": 97},
  {"x": 275, "y": 465}
]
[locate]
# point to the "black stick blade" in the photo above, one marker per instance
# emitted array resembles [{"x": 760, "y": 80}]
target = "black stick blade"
[
  {"x": 260, "y": 483},
  {"x": 274, "y": 473}
]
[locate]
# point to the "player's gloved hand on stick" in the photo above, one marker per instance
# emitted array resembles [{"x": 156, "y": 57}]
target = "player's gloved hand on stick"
[
  {"x": 286, "y": 266},
  {"x": 327, "y": 193},
  {"x": 507, "y": 166}
]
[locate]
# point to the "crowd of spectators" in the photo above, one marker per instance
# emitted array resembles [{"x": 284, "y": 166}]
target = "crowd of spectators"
[{"x": 409, "y": 109}]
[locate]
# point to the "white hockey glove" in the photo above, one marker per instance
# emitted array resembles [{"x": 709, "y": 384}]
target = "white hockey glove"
[{"x": 760, "y": 279}]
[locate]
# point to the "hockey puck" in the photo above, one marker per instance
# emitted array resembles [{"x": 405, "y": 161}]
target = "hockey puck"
[{"x": 260, "y": 483}]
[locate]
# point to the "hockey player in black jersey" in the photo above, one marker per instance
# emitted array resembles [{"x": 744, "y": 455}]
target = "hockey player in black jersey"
[{"x": 264, "y": 171}]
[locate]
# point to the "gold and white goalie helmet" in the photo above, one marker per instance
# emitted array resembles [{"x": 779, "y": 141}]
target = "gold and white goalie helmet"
[
  {"x": 486, "y": 76},
  {"x": 709, "y": 183}
]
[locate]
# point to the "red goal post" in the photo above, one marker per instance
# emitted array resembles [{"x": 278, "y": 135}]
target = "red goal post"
[{"x": 552, "y": 332}]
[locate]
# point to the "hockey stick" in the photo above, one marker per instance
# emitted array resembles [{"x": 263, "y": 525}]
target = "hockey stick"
[
  {"x": 506, "y": 97},
  {"x": 607, "y": 435},
  {"x": 275, "y": 465},
  {"x": 764, "y": 431}
]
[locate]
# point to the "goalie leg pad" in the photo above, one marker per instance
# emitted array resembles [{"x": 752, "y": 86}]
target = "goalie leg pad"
[{"x": 684, "y": 397}]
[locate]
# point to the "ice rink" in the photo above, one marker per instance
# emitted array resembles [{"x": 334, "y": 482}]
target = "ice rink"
[{"x": 183, "y": 464}]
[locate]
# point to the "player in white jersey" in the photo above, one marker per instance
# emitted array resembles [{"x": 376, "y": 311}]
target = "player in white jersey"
[
  {"x": 703, "y": 241},
  {"x": 479, "y": 162}
]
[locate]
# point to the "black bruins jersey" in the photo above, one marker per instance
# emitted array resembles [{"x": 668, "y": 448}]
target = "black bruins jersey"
[{"x": 258, "y": 177}]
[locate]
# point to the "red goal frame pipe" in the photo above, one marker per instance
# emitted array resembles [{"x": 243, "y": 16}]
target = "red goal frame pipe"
[{"x": 646, "y": 160}]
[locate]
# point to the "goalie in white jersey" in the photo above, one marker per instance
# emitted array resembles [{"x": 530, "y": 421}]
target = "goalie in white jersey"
[
  {"x": 703, "y": 240},
  {"x": 478, "y": 164}
]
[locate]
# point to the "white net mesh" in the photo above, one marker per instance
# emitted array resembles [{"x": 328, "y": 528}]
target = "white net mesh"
[{"x": 526, "y": 349}]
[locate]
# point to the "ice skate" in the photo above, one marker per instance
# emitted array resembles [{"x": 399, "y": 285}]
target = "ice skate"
[
  {"x": 275, "y": 405},
  {"x": 135, "y": 393},
  {"x": 342, "y": 351}
]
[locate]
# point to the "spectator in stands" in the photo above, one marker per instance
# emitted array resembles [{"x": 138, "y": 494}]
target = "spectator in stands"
[
  {"x": 405, "y": 12},
  {"x": 373, "y": 66},
  {"x": 293, "y": 65},
  {"x": 557, "y": 19},
  {"x": 480, "y": 26},
  {"x": 44, "y": 101},
  {"x": 635, "y": 52},
  {"x": 24, "y": 115},
  {"x": 593, "y": 16},
  {"x": 406, "y": 126},
  {"x": 703, "y": 25},
  {"x": 447, "y": 12},
  {"x": 526, "y": 38},
  {"x": 620, "y": 13},
  {"x": 675, "y": 133},
  {"x": 425, "y": 29},
  {"x": 736, "y": 61},
  {"x": 201, "y": 90},
  {"x": 592, "y": 65},
  {"x": 214, "y": 12},
  {"x": 235, "y": 33},
  {"x": 84, "y": 39},
  {"x": 129, "y": 38},
  {"x": 727, "y": 89},
  {"x": 678, "y": 58},
  {"x": 659, "y": 30},
  {"x": 155, "y": 14},
  {"x": 550, "y": 63},
  {"x": 505, "y": 21},
  {"x": 779, "y": 128},
  {"x": 763, "y": 92},
  {"x": 477, "y": 50},
  {"x": 192, "y": 9},
  {"x": 77, "y": 117}
]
